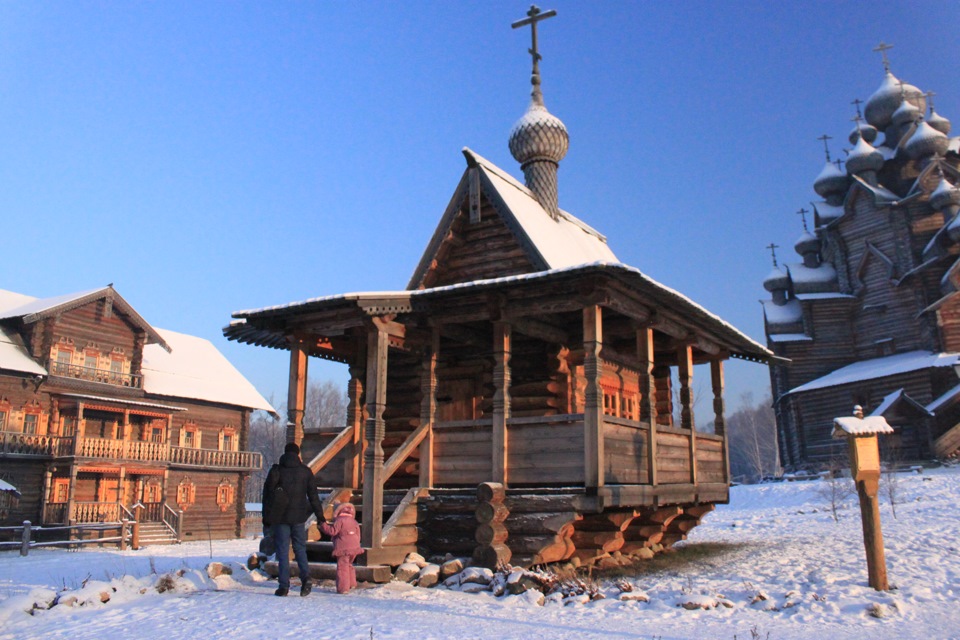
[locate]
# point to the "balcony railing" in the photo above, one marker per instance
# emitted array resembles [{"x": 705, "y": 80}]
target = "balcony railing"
[
  {"x": 105, "y": 376},
  {"x": 21, "y": 444}
]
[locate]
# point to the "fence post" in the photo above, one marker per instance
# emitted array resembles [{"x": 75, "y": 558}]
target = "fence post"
[
  {"x": 124, "y": 530},
  {"x": 180, "y": 525},
  {"x": 25, "y": 544},
  {"x": 137, "y": 516}
]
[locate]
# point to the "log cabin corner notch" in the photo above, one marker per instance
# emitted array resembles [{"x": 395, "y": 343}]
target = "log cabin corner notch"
[{"x": 524, "y": 354}]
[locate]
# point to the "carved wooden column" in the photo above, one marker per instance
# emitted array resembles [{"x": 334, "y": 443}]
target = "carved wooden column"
[
  {"x": 663, "y": 396},
  {"x": 648, "y": 398},
  {"x": 593, "y": 398},
  {"x": 501, "y": 399},
  {"x": 685, "y": 377},
  {"x": 428, "y": 407},
  {"x": 45, "y": 495},
  {"x": 296, "y": 390},
  {"x": 71, "y": 492},
  {"x": 719, "y": 409},
  {"x": 353, "y": 465},
  {"x": 377, "y": 343}
]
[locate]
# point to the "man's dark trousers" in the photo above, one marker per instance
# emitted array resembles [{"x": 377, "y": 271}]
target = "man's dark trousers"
[{"x": 283, "y": 535}]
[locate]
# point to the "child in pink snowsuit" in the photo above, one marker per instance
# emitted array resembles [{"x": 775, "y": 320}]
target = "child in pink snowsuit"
[{"x": 345, "y": 532}]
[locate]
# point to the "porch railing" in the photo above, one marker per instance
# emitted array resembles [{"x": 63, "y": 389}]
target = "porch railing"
[
  {"x": 94, "y": 375},
  {"x": 173, "y": 520},
  {"x": 84, "y": 512},
  {"x": 22, "y": 444}
]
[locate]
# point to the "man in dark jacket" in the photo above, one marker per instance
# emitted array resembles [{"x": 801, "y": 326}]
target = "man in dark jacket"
[{"x": 291, "y": 482}]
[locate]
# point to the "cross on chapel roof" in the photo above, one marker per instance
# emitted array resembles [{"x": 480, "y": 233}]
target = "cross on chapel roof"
[
  {"x": 534, "y": 16},
  {"x": 773, "y": 253},
  {"x": 826, "y": 149},
  {"x": 883, "y": 47},
  {"x": 803, "y": 216}
]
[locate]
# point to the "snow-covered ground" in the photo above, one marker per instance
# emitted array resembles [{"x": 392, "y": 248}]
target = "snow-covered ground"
[{"x": 775, "y": 541}]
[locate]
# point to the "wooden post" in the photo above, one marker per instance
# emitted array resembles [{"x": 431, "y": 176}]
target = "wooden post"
[
  {"x": 25, "y": 539},
  {"x": 124, "y": 531},
  {"x": 353, "y": 465},
  {"x": 137, "y": 518},
  {"x": 593, "y": 398},
  {"x": 428, "y": 408},
  {"x": 71, "y": 490},
  {"x": 685, "y": 377},
  {"x": 648, "y": 398},
  {"x": 180, "y": 525},
  {"x": 45, "y": 495},
  {"x": 719, "y": 411},
  {"x": 296, "y": 390},
  {"x": 501, "y": 399},
  {"x": 377, "y": 342}
]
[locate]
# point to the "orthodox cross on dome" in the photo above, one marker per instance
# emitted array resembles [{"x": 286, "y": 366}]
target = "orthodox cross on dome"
[
  {"x": 929, "y": 95},
  {"x": 857, "y": 104},
  {"x": 773, "y": 253},
  {"x": 803, "y": 216},
  {"x": 826, "y": 149},
  {"x": 533, "y": 17},
  {"x": 883, "y": 47},
  {"x": 838, "y": 162}
]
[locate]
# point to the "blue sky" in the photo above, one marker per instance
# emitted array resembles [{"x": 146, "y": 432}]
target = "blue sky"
[{"x": 208, "y": 157}]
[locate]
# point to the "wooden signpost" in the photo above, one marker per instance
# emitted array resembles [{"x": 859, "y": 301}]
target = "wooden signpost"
[{"x": 861, "y": 434}]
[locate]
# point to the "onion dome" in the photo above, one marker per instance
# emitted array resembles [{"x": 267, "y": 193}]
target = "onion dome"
[
  {"x": 939, "y": 123},
  {"x": 926, "y": 141},
  {"x": 863, "y": 130},
  {"x": 945, "y": 195},
  {"x": 864, "y": 157},
  {"x": 831, "y": 181},
  {"x": 880, "y": 106},
  {"x": 776, "y": 281},
  {"x": 807, "y": 243},
  {"x": 538, "y": 135},
  {"x": 906, "y": 113}
]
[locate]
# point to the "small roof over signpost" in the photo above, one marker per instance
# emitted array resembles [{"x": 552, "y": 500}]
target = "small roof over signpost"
[{"x": 861, "y": 434}]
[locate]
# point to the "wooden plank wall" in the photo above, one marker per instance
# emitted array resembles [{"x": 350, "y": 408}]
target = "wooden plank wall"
[
  {"x": 462, "y": 454},
  {"x": 710, "y": 458},
  {"x": 673, "y": 456},
  {"x": 27, "y": 477},
  {"x": 204, "y": 519},
  {"x": 625, "y": 449},
  {"x": 546, "y": 452}
]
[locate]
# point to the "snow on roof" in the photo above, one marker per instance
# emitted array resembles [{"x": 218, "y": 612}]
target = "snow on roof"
[
  {"x": 195, "y": 369},
  {"x": 851, "y": 425},
  {"x": 562, "y": 243},
  {"x": 6, "y": 486},
  {"x": 948, "y": 397},
  {"x": 800, "y": 274},
  {"x": 15, "y": 305},
  {"x": 828, "y": 212},
  {"x": 14, "y": 356},
  {"x": 787, "y": 313},
  {"x": 789, "y": 337},
  {"x": 887, "y": 402},
  {"x": 881, "y": 368},
  {"x": 823, "y": 295}
]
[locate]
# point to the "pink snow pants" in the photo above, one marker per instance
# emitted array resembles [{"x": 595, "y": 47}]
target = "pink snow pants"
[{"x": 346, "y": 574}]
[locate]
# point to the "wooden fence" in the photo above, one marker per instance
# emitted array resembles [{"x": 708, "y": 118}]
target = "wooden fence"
[{"x": 129, "y": 534}]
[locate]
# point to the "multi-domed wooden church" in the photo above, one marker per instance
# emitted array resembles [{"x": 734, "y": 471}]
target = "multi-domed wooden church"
[
  {"x": 869, "y": 314},
  {"x": 522, "y": 353}
]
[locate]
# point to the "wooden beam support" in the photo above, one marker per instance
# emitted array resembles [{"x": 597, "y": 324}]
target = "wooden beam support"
[
  {"x": 648, "y": 398},
  {"x": 685, "y": 377},
  {"x": 377, "y": 347},
  {"x": 297, "y": 388},
  {"x": 502, "y": 338},
  {"x": 428, "y": 407},
  {"x": 541, "y": 330},
  {"x": 593, "y": 399},
  {"x": 719, "y": 409},
  {"x": 353, "y": 465},
  {"x": 669, "y": 327},
  {"x": 629, "y": 308},
  {"x": 465, "y": 335}
]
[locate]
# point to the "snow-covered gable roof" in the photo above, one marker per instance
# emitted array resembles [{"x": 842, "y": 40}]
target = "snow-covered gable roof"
[
  {"x": 550, "y": 244},
  {"x": 853, "y": 426},
  {"x": 800, "y": 274},
  {"x": 195, "y": 369},
  {"x": 788, "y": 313},
  {"x": 896, "y": 398},
  {"x": 881, "y": 368},
  {"x": 29, "y": 309},
  {"x": 14, "y": 356},
  {"x": 790, "y": 337},
  {"x": 6, "y": 487}
]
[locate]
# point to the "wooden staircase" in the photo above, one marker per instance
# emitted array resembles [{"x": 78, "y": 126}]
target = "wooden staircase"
[
  {"x": 152, "y": 533},
  {"x": 948, "y": 445}
]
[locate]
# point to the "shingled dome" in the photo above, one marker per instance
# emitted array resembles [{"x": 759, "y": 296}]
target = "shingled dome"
[
  {"x": 864, "y": 157},
  {"x": 831, "y": 181},
  {"x": 944, "y": 196},
  {"x": 863, "y": 130},
  {"x": 777, "y": 280},
  {"x": 926, "y": 141},
  {"x": 538, "y": 135},
  {"x": 883, "y": 103},
  {"x": 939, "y": 123}
]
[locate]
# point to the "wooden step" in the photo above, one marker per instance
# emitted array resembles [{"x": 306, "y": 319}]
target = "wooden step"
[{"x": 328, "y": 571}]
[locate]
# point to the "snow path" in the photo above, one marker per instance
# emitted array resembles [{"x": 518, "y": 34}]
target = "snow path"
[{"x": 775, "y": 554}]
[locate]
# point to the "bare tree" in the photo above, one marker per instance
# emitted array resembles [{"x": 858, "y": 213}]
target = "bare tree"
[
  {"x": 834, "y": 488},
  {"x": 752, "y": 439},
  {"x": 890, "y": 480},
  {"x": 326, "y": 407},
  {"x": 268, "y": 435}
]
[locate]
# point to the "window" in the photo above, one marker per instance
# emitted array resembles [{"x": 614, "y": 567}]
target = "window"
[
  {"x": 227, "y": 442},
  {"x": 64, "y": 360},
  {"x": 228, "y": 439},
  {"x": 156, "y": 434},
  {"x": 225, "y": 494},
  {"x": 30, "y": 423},
  {"x": 61, "y": 490},
  {"x": 152, "y": 492},
  {"x": 68, "y": 426},
  {"x": 186, "y": 493},
  {"x": 3, "y": 420},
  {"x": 90, "y": 360},
  {"x": 190, "y": 436}
]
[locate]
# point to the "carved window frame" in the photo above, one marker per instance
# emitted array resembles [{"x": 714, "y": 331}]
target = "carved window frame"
[
  {"x": 186, "y": 494},
  {"x": 226, "y": 495},
  {"x": 230, "y": 432},
  {"x": 194, "y": 429}
]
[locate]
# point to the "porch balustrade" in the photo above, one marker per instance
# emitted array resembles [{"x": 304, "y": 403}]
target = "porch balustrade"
[
  {"x": 31, "y": 445},
  {"x": 105, "y": 376}
]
